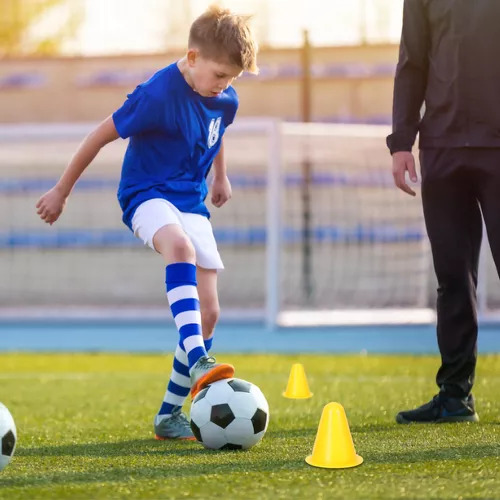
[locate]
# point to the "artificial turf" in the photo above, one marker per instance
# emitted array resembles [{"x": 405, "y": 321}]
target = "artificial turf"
[{"x": 84, "y": 426}]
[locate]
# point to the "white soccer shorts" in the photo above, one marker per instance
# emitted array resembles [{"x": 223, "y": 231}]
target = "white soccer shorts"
[{"x": 153, "y": 214}]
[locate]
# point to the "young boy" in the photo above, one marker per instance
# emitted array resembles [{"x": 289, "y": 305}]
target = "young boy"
[{"x": 175, "y": 122}]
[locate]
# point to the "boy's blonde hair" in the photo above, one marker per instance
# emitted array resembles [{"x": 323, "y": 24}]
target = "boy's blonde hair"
[{"x": 223, "y": 36}]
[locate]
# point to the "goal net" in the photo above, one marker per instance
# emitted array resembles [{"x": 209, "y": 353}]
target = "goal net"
[
  {"x": 356, "y": 245},
  {"x": 315, "y": 232}
]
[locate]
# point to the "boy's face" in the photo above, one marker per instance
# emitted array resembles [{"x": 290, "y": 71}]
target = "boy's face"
[{"x": 208, "y": 77}]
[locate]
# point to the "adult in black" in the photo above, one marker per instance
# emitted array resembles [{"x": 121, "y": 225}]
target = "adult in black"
[{"x": 449, "y": 69}]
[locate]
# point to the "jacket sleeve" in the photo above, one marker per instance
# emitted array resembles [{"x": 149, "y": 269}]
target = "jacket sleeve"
[{"x": 411, "y": 77}]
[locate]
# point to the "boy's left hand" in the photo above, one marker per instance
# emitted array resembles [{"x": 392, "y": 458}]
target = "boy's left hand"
[{"x": 221, "y": 191}]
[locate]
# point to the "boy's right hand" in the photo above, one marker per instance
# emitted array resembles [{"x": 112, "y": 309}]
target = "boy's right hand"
[{"x": 51, "y": 205}]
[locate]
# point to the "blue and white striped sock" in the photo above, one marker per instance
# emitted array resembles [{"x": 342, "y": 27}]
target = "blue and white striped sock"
[
  {"x": 179, "y": 385},
  {"x": 208, "y": 343},
  {"x": 185, "y": 305}
]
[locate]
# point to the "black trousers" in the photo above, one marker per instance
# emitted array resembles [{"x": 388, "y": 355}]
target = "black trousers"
[{"x": 457, "y": 185}]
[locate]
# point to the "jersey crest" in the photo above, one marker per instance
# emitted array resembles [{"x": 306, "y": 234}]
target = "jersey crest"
[{"x": 213, "y": 131}]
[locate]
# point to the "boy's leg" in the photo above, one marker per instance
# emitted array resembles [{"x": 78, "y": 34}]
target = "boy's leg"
[
  {"x": 179, "y": 254},
  {"x": 179, "y": 384},
  {"x": 180, "y": 278},
  {"x": 178, "y": 388},
  {"x": 170, "y": 423},
  {"x": 209, "y": 306},
  {"x": 159, "y": 225},
  {"x": 209, "y": 302}
]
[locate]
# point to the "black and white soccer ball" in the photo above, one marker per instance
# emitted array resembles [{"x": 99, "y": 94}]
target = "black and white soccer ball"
[
  {"x": 230, "y": 414},
  {"x": 8, "y": 436}
]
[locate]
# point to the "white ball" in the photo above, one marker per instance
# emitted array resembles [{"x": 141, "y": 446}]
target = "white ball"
[
  {"x": 8, "y": 436},
  {"x": 229, "y": 414}
]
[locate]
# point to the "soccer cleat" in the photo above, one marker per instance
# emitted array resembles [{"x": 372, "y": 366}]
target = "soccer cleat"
[
  {"x": 441, "y": 409},
  {"x": 176, "y": 426},
  {"x": 206, "y": 371}
]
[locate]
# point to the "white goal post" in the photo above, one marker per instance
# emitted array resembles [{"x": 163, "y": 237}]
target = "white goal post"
[{"x": 342, "y": 160}]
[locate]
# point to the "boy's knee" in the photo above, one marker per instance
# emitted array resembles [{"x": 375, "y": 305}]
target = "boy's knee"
[
  {"x": 182, "y": 248},
  {"x": 174, "y": 247}
]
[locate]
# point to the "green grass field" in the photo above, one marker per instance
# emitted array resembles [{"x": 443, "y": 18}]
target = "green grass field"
[{"x": 85, "y": 431}]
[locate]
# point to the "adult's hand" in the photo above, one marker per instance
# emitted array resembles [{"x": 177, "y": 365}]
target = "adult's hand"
[{"x": 402, "y": 162}]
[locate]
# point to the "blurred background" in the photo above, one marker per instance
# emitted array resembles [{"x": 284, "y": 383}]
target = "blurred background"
[
  {"x": 74, "y": 60},
  {"x": 315, "y": 233}
]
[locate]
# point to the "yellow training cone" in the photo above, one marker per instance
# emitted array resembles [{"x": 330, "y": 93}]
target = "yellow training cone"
[
  {"x": 297, "y": 387},
  {"x": 333, "y": 447}
]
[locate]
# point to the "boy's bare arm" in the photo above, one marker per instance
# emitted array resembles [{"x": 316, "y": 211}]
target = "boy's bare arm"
[
  {"x": 51, "y": 204},
  {"x": 221, "y": 187},
  {"x": 220, "y": 162}
]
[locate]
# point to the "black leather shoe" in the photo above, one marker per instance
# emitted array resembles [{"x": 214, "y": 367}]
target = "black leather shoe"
[{"x": 441, "y": 409}]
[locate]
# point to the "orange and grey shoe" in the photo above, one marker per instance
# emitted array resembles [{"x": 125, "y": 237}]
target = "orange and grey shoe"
[
  {"x": 175, "y": 426},
  {"x": 206, "y": 371}
]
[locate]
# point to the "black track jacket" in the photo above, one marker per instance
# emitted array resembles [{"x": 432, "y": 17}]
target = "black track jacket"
[{"x": 449, "y": 60}]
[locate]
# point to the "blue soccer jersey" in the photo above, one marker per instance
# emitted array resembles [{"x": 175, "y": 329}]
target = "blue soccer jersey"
[{"x": 175, "y": 134}]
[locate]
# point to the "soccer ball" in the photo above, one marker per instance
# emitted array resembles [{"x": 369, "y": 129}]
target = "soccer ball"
[
  {"x": 230, "y": 414},
  {"x": 8, "y": 436}
]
